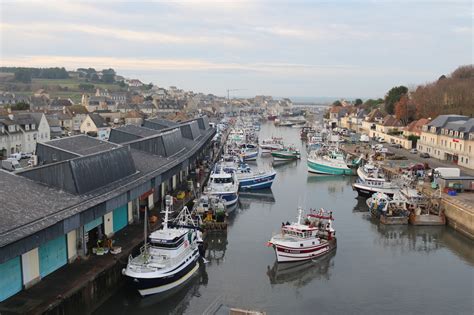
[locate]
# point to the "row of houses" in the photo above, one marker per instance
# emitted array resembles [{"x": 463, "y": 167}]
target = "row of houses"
[
  {"x": 447, "y": 137},
  {"x": 84, "y": 187}
]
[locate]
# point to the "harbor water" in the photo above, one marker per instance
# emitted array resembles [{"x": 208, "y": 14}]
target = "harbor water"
[{"x": 375, "y": 269}]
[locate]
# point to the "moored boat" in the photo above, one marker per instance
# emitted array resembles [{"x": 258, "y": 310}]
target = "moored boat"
[
  {"x": 168, "y": 258},
  {"x": 299, "y": 241},
  {"x": 224, "y": 185},
  {"x": 330, "y": 163},
  {"x": 286, "y": 154},
  {"x": 371, "y": 180}
]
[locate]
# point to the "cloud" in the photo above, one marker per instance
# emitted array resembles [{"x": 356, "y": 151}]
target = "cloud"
[
  {"x": 463, "y": 30},
  {"x": 73, "y": 62},
  {"x": 121, "y": 34}
]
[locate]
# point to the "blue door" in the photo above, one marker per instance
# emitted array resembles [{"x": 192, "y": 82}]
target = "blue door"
[
  {"x": 10, "y": 279},
  {"x": 120, "y": 218},
  {"x": 52, "y": 255}
]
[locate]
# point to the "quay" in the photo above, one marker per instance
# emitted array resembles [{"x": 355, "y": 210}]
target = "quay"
[
  {"x": 459, "y": 209},
  {"x": 46, "y": 245}
]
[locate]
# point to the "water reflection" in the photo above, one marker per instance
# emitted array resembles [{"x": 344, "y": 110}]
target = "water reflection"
[
  {"x": 216, "y": 246},
  {"x": 410, "y": 238},
  {"x": 334, "y": 184},
  {"x": 299, "y": 274},
  {"x": 361, "y": 205},
  {"x": 283, "y": 165},
  {"x": 263, "y": 196},
  {"x": 128, "y": 300}
]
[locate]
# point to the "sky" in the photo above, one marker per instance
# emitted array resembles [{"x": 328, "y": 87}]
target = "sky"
[{"x": 295, "y": 48}]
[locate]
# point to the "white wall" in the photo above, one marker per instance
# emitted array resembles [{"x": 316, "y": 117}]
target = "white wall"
[
  {"x": 151, "y": 204},
  {"x": 30, "y": 268},
  {"x": 109, "y": 224},
  {"x": 71, "y": 245},
  {"x": 130, "y": 212}
]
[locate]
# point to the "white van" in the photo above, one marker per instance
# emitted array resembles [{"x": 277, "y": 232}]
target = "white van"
[
  {"x": 16, "y": 156},
  {"x": 11, "y": 164}
]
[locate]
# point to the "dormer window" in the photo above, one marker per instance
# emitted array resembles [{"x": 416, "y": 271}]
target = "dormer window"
[
  {"x": 450, "y": 132},
  {"x": 27, "y": 127},
  {"x": 461, "y": 135},
  {"x": 456, "y": 134}
]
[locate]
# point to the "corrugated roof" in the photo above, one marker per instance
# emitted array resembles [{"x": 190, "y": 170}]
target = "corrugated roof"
[{"x": 81, "y": 144}]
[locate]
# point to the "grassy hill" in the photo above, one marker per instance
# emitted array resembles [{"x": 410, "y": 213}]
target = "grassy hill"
[{"x": 64, "y": 88}]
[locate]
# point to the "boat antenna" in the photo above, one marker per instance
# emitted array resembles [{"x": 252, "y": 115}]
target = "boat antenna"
[
  {"x": 145, "y": 224},
  {"x": 168, "y": 203}
]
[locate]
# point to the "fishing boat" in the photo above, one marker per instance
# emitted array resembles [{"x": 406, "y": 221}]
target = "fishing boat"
[
  {"x": 372, "y": 180},
  {"x": 250, "y": 179},
  {"x": 303, "y": 240},
  {"x": 272, "y": 144},
  {"x": 224, "y": 185},
  {"x": 248, "y": 152},
  {"x": 390, "y": 210},
  {"x": 328, "y": 163},
  {"x": 286, "y": 154},
  {"x": 168, "y": 258}
]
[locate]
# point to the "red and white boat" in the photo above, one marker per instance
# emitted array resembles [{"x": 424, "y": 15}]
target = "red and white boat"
[
  {"x": 270, "y": 145},
  {"x": 305, "y": 240}
]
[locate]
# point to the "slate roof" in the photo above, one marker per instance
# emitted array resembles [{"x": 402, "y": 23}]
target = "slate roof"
[
  {"x": 442, "y": 120},
  {"x": 158, "y": 123},
  {"x": 98, "y": 120},
  {"x": 81, "y": 145}
]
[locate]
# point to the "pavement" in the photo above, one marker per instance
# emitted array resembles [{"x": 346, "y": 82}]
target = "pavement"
[{"x": 432, "y": 162}]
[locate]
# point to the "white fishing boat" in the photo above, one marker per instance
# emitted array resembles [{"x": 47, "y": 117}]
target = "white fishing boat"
[
  {"x": 224, "y": 185},
  {"x": 168, "y": 258},
  {"x": 372, "y": 180},
  {"x": 299, "y": 241}
]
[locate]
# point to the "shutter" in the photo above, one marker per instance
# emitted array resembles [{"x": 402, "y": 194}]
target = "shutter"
[
  {"x": 10, "y": 279},
  {"x": 52, "y": 255},
  {"x": 120, "y": 218}
]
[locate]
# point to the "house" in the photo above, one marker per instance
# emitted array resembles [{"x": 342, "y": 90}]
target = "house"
[
  {"x": 44, "y": 133},
  {"x": 134, "y": 83},
  {"x": 78, "y": 114},
  {"x": 449, "y": 138},
  {"x": 415, "y": 127},
  {"x": 29, "y": 128},
  {"x": 54, "y": 126},
  {"x": 93, "y": 103},
  {"x": 11, "y": 137},
  {"x": 60, "y": 103},
  {"x": 94, "y": 124},
  {"x": 134, "y": 117},
  {"x": 372, "y": 118},
  {"x": 124, "y": 108},
  {"x": 147, "y": 107},
  {"x": 119, "y": 97},
  {"x": 390, "y": 124},
  {"x": 41, "y": 93}
]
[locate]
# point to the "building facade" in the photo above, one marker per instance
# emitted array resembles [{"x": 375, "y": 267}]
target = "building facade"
[{"x": 449, "y": 138}]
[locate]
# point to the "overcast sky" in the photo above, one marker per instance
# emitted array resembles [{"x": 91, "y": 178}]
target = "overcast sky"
[{"x": 294, "y": 48}]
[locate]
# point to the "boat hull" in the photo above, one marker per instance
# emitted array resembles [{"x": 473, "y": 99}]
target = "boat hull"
[
  {"x": 148, "y": 286},
  {"x": 284, "y": 157},
  {"x": 293, "y": 254},
  {"x": 251, "y": 156},
  {"x": 318, "y": 168},
  {"x": 255, "y": 183},
  {"x": 367, "y": 191},
  {"x": 230, "y": 199}
]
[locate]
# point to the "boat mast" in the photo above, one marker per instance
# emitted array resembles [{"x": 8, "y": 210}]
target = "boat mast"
[{"x": 145, "y": 224}]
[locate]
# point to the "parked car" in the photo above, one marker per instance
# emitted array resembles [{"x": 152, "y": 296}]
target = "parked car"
[
  {"x": 15, "y": 156},
  {"x": 424, "y": 155},
  {"x": 397, "y": 145},
  {"x": 381, "y": 140},
  {"x": 25, "y": 155},
  {"x": 414, "y": 151}
]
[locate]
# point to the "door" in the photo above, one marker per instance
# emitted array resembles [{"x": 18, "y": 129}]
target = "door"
[
  {"x": 10, "y": 279},
  {"x": 52, "y": 255},
  {"x": 120, "y": 218}
]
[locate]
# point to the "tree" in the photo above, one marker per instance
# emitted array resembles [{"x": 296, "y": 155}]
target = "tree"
[
  {"x": 393, "y": 96},
  {"x": 86, "y": 87},
  {"x": 337, "y": 103},
  {"x": 149, "y": 98},
  {"x": 108, "y": 75},
  {"x": 405, "y": 110},
  {"x": 370, "y": 104},
  {"x": 23, "y": 75},
  {"x": 122, "y": 84},
  {"x": 358, "y": 102},
  {"x": 21, "y": 106}
]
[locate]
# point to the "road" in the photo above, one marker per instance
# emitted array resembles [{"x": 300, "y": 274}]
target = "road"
[{"x": 432, "y": 162}]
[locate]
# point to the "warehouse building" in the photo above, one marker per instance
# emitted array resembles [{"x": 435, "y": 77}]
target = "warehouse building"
[{"x": 85, "y": 188}]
